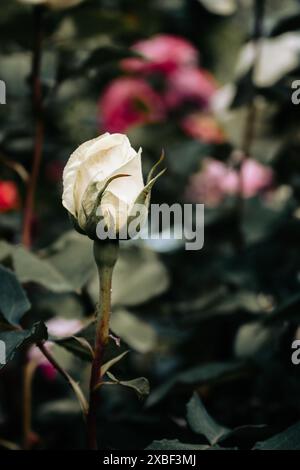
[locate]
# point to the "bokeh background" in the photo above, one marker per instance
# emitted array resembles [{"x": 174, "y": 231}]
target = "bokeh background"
[{"x": 210, "y": 82}]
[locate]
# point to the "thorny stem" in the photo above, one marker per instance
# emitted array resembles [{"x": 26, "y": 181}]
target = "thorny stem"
[
  {"x": 37, "y": 103},
  {"x": 105, "y": 263}
]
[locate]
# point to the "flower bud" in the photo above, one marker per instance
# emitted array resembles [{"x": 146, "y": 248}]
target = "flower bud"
[{"x": 104, "y": 189}]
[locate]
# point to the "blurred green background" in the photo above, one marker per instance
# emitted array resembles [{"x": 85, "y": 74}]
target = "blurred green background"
[{"x": 216, "y": 324}]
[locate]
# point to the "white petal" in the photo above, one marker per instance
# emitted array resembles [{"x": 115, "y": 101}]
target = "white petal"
[
  {"x": 70, "y": 173},
  {"x": 128, "y": 188},
  {"x": 95, "y": 160}
]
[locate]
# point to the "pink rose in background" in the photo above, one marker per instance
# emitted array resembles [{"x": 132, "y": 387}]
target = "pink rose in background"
[
  {"x": 208, "y": 185},
  {"x": 59, "y": 327},
  {"x": 216, "y": 181},
  {"x": 132, "y": 100},
  {"x": 162, "y": 53},
  {"x": 190, "y": 84},
  {"x": 127, "y": 102},
  {"x": 255, "y": 177},
  {"x": 203, "y": 127},
  {"x": 36, "y": 356}
]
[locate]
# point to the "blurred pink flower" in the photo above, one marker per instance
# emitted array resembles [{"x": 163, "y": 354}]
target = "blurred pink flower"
[
  {"x": 190, "y": 85},
  {"x": 216, "y": 181},
  {"x": 59, "y": 327},
  {"x": 162, "y": 53},
  {"x": 208, "y": 185},
  {"x": 36, "y": 356},
  {"x": 204, "y": 127},
  {"x": 255, "y": 177},
  {"x": 127, "y": 102}
]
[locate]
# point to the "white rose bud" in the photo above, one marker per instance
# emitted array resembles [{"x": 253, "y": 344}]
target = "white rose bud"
[
  {"x": 56, "y": 4},
  {"x": 103, "y": 182}
]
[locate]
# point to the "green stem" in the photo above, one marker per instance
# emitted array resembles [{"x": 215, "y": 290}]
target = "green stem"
[
  {"x": 105, "y": 254},
  {"x": 250, "y": 121}
]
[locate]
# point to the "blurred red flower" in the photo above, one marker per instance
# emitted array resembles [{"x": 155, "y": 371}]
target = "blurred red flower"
[
  {"x": 203, "y": 127},
  {"x": 162, "y": 53},
  {"x": 127, "y": 102},
  {"x": 190, "y": 85},
  {"x": 9, "y": 196}
]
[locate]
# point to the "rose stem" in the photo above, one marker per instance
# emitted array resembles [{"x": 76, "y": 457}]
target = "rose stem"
[
  {"x": 249, "y": 131},
  {"x": 31, "y": 184},
  {"x": 249, "y": 128},
  {"x": 37, "y": 103},
  {"x": 29, "y": 369},
  {"x": 106, "y": 254}
]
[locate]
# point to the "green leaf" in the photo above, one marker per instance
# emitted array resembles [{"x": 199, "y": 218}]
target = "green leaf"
[
  {"x": 247, "y": 435},
  {"x": 8, "y": 445},
  {"x": 138, "y": 334},
  {"x": 79, "y": 394},
  {"x": 56, "y": 411},
  {"x": 98, "y": 58},
  {"x": 13, "y": 300},
  {"x": 275, "y": 62},
  {"x": 175, "y": 444},
  {"x": 205, "y": 374},
  {"x": 139, "y": 275},
  {"x": 220, "y": 7},
  {"x": 192, "y": 151},
  {"x": 5, "y": 249},
  {"x": 111, "y": 362},
  {"x": 288, "y": 311},
  {"x": 14, "y": 340},
  {"x": 201, "y": 423},
  {"x": 143, "y": 197},
  {"x": 29, "y": 267},
  {"x": 255, "y": 340},
  {"x": 72, "y": 257},
  {"x": 77, "y": 345},
  {"x": 155, "y": 166},
  {"x": 286, "y": 440},
  {"x": 140, "y": 385},
  {"x": 107, "y": 54}
]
